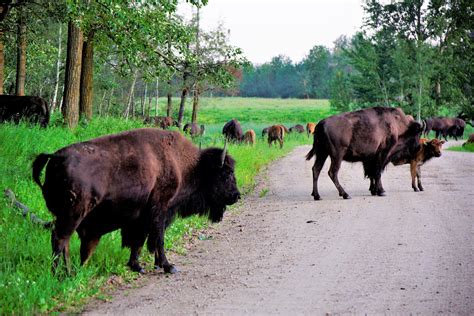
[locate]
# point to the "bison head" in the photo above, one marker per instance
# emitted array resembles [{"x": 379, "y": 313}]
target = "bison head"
[
  {"x": 433, "y": 148},
  {"x": 217, "y": 179}
]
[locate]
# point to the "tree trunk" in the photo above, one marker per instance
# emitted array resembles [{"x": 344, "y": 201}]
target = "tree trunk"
[
  {"x": 102, "y": 102},
  {"x": 182, "y": 103},
  {"x": 87, "y": 77},
  {"x": 3, "y": 13},
  {"x": 58, "y": 70},
  {"x": 72, "y": 82},
  {"x": 130, "y": 95},
  {"x": 2, "y": 62},
  {"x": 195, "y": 103},
  {"x": 109, "y": 101},
  {"x": 21, "y": 54},
  {"x": 145, "y": 92}
]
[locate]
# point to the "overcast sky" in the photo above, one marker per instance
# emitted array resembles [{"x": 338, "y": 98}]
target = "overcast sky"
[{"x": 267, "y": 28}]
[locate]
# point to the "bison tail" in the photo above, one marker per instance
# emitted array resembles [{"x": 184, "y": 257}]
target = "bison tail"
[
  {"x": 38, "y": 166},
  {"x": 311, "y": 153}
]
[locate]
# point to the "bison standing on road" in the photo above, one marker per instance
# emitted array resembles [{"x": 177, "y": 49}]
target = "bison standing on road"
[
  {"x": 29, "y": 108},
  {"x": 233, "y": 131},
  {"x": 276, "y": 133},
  {"x": 373, "y": 136},
  {"x": 428, "y": 150},
  {"x": 136, "y": 181}
]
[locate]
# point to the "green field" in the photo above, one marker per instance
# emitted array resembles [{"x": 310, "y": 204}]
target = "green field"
[{"x": 26, "y": 282}]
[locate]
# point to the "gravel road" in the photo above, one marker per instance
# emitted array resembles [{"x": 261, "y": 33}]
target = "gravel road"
[{"x": 287, "y": 254}]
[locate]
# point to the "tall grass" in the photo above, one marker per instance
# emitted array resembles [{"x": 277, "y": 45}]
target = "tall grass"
[{"x": 26, "y": 282}]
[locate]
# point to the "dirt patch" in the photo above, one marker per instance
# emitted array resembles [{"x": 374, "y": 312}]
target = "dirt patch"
[{"x": 285, "y": 253}]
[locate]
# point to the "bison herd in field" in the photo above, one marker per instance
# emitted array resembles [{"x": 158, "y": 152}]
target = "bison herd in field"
[{"x": 138, "y": 181}]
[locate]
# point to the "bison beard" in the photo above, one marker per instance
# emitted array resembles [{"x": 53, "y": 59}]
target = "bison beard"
[{"x": 136, "y": 181}]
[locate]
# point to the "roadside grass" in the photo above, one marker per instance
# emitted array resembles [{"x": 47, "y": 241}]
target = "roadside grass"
[
  {"x": 27, "y": 284},
  {"x": 466, "y": 148}
]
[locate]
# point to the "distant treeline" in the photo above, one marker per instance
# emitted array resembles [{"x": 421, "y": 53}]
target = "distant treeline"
[{"x": 414, "y": 54}]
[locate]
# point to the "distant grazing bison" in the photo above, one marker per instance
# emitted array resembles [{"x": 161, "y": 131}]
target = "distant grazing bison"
[
  {"x": 428, "y": 150},
  {"x": 193, "y": 129},
  {"x": 276, "y": 133},
  {"x": 163, "y": 122},
  {"x": 298, "y": 128},
  {"x": 233, "y": 131},
  {"x": 265, "y": 131},
  {"x": 310, "y": 128},
  {"x": 375, "y": 136},
  {"x": 136, "y": 181},
  {"x": 28, "y": 108},
  {"x": 470, "y": 140},
  {"x": 250, "y": 137}
]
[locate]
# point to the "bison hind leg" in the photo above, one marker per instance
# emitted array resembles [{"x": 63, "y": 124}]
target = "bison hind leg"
[{"x": 134, "y": 238}]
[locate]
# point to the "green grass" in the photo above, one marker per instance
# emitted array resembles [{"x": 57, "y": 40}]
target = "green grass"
[
  {"x": 466, "y": 148},
  {"x": 26, "y": 282}
]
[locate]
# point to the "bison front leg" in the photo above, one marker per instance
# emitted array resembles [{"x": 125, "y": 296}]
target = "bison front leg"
[
  {"x": 160, "y": 257},
  {"x": 418, "y": 175},
  {"x": 413, "y": 172}
]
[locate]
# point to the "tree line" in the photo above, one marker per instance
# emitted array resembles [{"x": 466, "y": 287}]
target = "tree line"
[
  {"x": 414, "y": 54},
  {"x": 97, "y": 56}
]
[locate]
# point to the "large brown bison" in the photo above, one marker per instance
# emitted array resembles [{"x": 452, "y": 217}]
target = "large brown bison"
[
  {"x": 374, "y": 136},
  {"x": 136, "y": 181},
  {"x": 28, "y": 108},
  {"x": 233, "y": 131},
  {"x": 276, "y": 133},
  {"x": 445, "y": 127},
  {"x": 428, "y": 150},
  {"x": 193, "y": 129}
]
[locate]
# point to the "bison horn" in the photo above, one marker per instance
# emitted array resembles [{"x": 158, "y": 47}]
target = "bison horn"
[
  {"x": 423, "y": 125},
  {"x": 223, "y": 153}
]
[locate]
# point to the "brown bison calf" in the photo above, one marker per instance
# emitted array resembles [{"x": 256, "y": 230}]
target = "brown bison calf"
[
  {"x": 310, "y": 128},
  {"x": 136, "y": 181},
  {"x": 428, "y": 150},
  {"x": 250, "y": 137},
  {"x": 276, "y": 133}
]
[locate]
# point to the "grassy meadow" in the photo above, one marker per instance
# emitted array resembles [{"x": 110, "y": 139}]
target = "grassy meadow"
[{"x": 26, "y": 282}]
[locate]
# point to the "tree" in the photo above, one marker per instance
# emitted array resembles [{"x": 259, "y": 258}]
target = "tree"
[{"x": 70, "y": 108}]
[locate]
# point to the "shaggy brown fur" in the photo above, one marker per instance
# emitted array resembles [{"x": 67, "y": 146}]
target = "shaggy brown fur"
[
  {"x": 373, "y": 136},
  {"x": 428, "y": 150},
  {"x": 250, "y": 137},
  {"x": 298, "y": 128},
  {"x": 276, "y": 133},
  {"x": 310, "y": 128},
  {"x": 233, "y": 131},
  {"x": 136, "y": 181}
]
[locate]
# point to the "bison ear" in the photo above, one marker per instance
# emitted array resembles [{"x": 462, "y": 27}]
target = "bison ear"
[{"x": 442, "y": 142}]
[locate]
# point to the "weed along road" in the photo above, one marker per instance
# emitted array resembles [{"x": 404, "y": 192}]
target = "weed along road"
[{"x": 283, "y": 253}]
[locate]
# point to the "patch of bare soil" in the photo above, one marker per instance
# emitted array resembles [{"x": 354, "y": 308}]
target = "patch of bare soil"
[{"x": 287, "y": 254}]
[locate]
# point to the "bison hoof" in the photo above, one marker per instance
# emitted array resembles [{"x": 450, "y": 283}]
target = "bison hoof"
[
  {"x": 415, "y": 189},
  {"x": 316, "y": 197},
  {"x": 346, "y": 196},
  {"x": 382, "y": 193},
  {"x": 421, "y": 189},
  {"x": 170, "y": 269},
  {"x": 136, "y": 268}
]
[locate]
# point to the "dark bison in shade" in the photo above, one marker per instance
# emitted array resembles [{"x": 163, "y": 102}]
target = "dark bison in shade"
[
  {"x": 193, "y": 129},
  {"x": 233, "y": 131},
  {"x": 374, "y": 136},
  {"x": 136, "y": 181},
  {"x": 28, "y": 108}
]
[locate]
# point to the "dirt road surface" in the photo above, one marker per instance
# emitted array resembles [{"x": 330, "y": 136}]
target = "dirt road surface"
[{"x": 287, "y": 254}]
